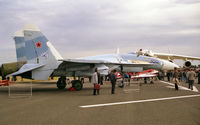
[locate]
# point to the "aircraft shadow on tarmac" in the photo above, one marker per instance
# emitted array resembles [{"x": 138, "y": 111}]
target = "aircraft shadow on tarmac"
[
  {"x": 47, "y": 87},
  {"x": 42, "y": 89}
]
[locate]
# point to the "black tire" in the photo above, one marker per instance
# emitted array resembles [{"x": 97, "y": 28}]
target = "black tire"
[
  {"x": 77, "y": 85},
  {"x": 61, "y": 83}
]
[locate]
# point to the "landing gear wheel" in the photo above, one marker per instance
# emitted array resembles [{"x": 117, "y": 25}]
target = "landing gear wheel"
[
  {"x": 61, "y": 83},
  {"x": 77, "y": 85}
]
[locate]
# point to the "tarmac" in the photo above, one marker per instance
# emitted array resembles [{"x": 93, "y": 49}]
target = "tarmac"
[{"x": 137, "y": 104}]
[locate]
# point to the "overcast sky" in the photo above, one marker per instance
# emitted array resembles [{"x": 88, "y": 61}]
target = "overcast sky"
[{"x": 79, "y": 28}]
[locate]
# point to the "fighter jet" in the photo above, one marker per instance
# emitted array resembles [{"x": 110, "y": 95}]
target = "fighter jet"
[{"x": 43, "y": 60}]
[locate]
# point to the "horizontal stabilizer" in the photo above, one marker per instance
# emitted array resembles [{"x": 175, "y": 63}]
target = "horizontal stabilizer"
[{"x": 26, "y": 68}]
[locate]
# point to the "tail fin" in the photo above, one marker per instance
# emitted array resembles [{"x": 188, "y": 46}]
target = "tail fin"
[
  {"x": 20, "y": 46},
  {"x": 42, "y": 58},
  {"x": 38, "y": 48},
  {"x": 40, "y": 51}
]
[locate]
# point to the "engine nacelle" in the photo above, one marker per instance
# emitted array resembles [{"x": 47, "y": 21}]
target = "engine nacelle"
[{"x": 187, "y": 64}]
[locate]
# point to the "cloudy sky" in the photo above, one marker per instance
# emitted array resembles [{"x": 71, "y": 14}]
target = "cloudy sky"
[{"x": 79, "y": 28}]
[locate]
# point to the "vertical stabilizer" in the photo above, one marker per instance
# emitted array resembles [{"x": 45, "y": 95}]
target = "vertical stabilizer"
[
  {"x": 40, "y": 51},
  {"x": 20, "y": 46}
]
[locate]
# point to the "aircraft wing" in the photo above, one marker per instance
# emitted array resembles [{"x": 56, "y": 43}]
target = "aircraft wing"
[
  {"x": 88, "y": 61},
  {"x": 174, "y": 56},
  {"x": 71, "y": 65}
]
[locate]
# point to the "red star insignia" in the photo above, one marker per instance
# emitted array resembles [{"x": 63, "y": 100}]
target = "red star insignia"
[{"x": 38, "y": 44}]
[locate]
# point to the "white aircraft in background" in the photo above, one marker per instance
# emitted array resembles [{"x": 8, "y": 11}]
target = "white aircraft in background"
[
  {"x": 169, "y": 57},
  {"x": 43, "y": 60}
]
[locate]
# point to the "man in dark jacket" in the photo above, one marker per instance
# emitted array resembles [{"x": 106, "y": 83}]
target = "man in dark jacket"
[
  {"x": 113, "y": 80},
  {"x": 168, "y": 75},
  {"x": 99, "y": 81}
]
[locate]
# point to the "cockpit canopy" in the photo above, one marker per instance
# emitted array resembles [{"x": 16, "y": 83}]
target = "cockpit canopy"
[{"x": 144, "y": 52}]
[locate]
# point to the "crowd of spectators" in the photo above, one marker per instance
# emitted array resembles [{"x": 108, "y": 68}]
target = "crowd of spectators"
[{"x": 183, "y": 75}]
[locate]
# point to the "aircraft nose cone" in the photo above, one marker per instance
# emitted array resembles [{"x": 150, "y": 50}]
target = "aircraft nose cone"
[{"x": 169, "y": 65}]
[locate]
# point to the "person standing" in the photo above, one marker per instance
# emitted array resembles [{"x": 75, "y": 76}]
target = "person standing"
[
  {"x": 113, "y": 80},
  {"x": 184, "y": 76},
  {"x": 175, "y": 77},
  {"x": 99, "y": 81},
  {"x": 159, "y": 75},
  {"x": 199, "y": 77},
  {"x": 145, "y": 80},
  {"x": 162, "y": 75},
  {"x": 180, "y": 76},
  {"x": 187, "y": 75},
  {"x": 168, "y": 75},
  {"x": 94, "y": 80},
  {"x": 191, "y": 78}
]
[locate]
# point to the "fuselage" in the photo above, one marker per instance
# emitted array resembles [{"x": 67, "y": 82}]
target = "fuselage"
[{"x": 157, "y": 63}]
